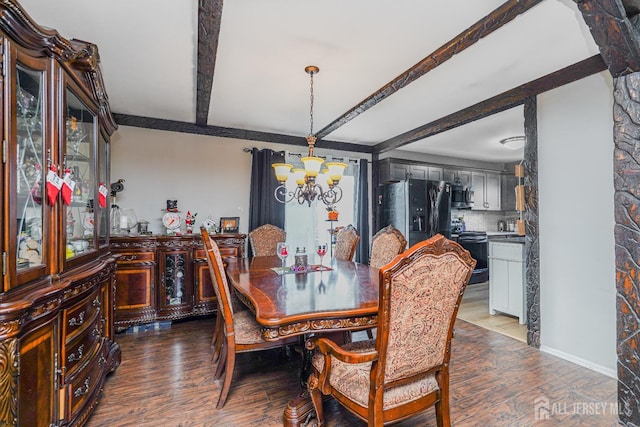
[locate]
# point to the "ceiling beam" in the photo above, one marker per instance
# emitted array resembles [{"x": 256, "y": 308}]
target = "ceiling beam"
[
  {"x": 209, "y": 18},
  {"x": 614, "y": 27},
  {"x": 496, "y": 19},
  {"x": 184, "y": 127},
  {"x": 498, "y": 103}
]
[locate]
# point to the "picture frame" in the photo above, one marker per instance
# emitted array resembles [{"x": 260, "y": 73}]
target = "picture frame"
[{"x": 229, "y": 224}]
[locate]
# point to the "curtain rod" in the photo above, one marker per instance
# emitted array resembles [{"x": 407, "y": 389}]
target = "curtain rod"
[{"x": 250, "y": 150}]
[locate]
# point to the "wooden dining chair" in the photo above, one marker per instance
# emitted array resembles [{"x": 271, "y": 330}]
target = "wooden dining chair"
[
  {"x": 240, "y": 331},
  {"x": 264, "y": 239},
  {"x": 385, "y": 245},
  {"x": 405, "y": 370},
  {"x": 346, "y": 243}
]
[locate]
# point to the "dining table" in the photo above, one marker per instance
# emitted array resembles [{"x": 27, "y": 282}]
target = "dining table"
[{"x": 309, "y": 300}]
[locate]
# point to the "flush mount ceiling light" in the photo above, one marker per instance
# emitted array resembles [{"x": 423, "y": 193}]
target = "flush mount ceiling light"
[
  {"x": 514, "y": 142},
  {"x": 307, "y": 189}
]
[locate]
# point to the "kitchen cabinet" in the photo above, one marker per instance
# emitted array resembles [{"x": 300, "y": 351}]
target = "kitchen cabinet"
[
  {"x": 166, "y": 277},
  {"x": 451, "y": 175},
  {"x": 426, "y": 173},
  {"x": 57, "y": 340},
  {"x": 506, "y": 279},
  {"x": 508, "y": 192},
  {"x": 395, "y": 171},
  {"x": 486, "y": 190}
]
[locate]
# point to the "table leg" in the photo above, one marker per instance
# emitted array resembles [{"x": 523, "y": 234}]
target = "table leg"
[{"x": 298, "y": 411}]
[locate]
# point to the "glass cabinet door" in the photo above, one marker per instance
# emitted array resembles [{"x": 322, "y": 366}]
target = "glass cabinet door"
[
  {"x": 79, "y": 160},
  {"x": 26, "y": 182},
  {"x": 175, "y": 265},
  {"x": 101, "y": 209}
]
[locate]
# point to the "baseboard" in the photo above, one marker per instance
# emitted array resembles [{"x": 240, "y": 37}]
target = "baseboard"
[
  {"x": 154, "y": 326},
  {"x": 579, "y": 361}
]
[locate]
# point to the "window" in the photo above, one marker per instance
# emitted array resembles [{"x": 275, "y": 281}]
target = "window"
[{"x": 309, "y": 226}]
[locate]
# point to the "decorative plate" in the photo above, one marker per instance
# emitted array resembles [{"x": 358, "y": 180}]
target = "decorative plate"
[{"x": 171, "y": 220}]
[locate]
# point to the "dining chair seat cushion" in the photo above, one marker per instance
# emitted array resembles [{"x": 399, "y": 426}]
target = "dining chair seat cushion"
[
  {"x": 353, "y": 381},
  {"x": 246, "y": 328}
]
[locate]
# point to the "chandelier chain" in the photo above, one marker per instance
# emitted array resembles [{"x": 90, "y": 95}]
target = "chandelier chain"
[{"x": 311, "y": 105}]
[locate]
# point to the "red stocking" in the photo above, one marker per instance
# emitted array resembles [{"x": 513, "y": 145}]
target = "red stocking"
[
  {"x": 54, "y": 183},
  {"x": 68, "y": 185},
  {"x": 102, "y": 195}
]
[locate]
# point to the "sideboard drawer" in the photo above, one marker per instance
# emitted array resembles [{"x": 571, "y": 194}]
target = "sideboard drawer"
[
  {"x": 135, "y": 257},
  {"x": 80, "y": 316},
  {"x": 83, "y": 386},
  {"x": 230, "y": 251},
  {"x": 79, "y": 351}
]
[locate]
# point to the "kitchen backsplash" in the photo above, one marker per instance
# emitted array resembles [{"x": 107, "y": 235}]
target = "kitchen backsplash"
[{"x": 482, "y": 220}]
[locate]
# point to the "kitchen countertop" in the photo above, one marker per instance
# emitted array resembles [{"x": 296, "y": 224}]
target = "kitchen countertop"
[
  {"x": 506, "y": 238},
  {"x": 491, "y": 234}
]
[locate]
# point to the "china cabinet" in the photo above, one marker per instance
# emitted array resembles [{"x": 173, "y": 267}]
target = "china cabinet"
[
  {"x": 58, "y": 275},
  {"x": 166, "y": 277}
]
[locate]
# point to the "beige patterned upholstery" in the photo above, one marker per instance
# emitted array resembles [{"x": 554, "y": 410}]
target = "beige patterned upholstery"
[
  {"x": 265, "y": 238},
  {"x": 346, "y": 243},
  {"x": 419, "y": 296},
  {"x": 239, "y": 330},
  {"x": 385, "y": 245}
]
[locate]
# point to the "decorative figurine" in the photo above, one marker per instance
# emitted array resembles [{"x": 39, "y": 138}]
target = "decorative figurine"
[
  {"x": 172, "y": 206},
  {"x": 171, "y": 219},
  {"x": 189, "y": 221},
  {"x": 210, "y": 225}
]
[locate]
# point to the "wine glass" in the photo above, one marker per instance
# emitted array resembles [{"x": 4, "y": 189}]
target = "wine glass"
[
  {"x": 283, "y": 251},
  {"x": 321, "y": 250}
]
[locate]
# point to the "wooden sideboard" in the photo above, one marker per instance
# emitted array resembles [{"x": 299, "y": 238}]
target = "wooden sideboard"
[{"x": 166, "y": 277}]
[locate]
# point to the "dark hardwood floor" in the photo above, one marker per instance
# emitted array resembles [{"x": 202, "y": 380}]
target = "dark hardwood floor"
[{"x": 166, "y": 379}]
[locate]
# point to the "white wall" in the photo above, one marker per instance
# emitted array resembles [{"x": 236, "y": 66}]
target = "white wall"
[
  {"x": 575, "y": 177},
  {"x": 208, "y": 175}
]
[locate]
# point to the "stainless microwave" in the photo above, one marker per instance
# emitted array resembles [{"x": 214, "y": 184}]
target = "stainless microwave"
[{"x": 461, "y": 196}]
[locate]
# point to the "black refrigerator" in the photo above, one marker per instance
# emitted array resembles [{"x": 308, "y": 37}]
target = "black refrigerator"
[{"x": 418, "y": 208}]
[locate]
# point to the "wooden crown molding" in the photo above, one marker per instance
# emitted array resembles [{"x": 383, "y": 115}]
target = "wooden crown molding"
[{"x": 77, "y": 55}]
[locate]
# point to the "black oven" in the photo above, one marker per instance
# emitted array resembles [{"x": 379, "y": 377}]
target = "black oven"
[{"x": 477, "y": 243}]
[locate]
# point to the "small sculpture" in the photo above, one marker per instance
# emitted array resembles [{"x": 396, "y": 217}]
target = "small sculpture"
[{"x": 190, "y": 220}]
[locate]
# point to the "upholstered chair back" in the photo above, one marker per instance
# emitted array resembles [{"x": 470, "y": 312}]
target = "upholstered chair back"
[
  {"x": 419, "y": 299},
  {"x": 385, "y": 245},
  {"x": 346, "y": 243},
  {"x": 264, "y": 239}
]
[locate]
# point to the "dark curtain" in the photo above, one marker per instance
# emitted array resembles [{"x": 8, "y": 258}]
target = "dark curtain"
[
  {"x": 362, "y": 254},
  {"x": 263, "y": 207}
]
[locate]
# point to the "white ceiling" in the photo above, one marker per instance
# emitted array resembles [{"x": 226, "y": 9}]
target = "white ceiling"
[{"x": 148, "y": 56}]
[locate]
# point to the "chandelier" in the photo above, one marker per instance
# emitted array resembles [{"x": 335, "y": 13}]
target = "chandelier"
[{"x": 308, "y": 189}]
